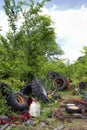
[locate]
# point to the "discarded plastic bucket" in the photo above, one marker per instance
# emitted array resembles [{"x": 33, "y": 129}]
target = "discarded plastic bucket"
[{"x": 34, "y": 109}]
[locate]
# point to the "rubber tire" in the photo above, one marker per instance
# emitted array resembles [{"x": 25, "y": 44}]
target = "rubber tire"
[
  {"x": 17, "y": 101},
  {"x": 60, "y": 82},
  {"x": 39, "y": 91},
  {"x": 26, "y": 89},
  {"x": 52, "y": 75},
  {"x": 71, "y": 109}
]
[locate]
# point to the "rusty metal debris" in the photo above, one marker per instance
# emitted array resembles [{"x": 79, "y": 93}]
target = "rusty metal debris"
[
  {"x": 77, "y": 101},
  {"x": 81, "y": 104}
]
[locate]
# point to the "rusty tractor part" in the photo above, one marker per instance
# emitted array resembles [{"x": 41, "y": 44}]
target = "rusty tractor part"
[
  {"x": 77, "y": 101},
  {"x": 60, "y": 83},
  {"x": 17, "y": 101}
]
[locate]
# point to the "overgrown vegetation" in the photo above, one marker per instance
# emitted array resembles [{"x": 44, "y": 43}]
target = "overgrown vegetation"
[{"x": 30, "y": 49}]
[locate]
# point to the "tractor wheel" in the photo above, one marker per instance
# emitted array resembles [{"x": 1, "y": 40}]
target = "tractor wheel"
[
  {"x": 72, "y": 109},
  {"x": 60, "y": 82},
  {"x": 17, "y": 101}
]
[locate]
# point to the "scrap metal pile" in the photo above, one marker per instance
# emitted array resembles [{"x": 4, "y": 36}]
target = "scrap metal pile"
[
  {"x": 35, "y": 91},
  {"x": 19, "y": 103}
]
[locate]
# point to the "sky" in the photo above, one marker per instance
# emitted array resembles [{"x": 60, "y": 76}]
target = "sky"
[{"x": 70, "y": 23}]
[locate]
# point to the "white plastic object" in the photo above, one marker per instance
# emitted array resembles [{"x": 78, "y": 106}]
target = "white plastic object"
[
  {"x": 34, "y": 109},
  {"x": 69, "y": 104}
]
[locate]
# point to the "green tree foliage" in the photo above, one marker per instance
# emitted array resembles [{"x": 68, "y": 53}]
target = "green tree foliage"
[
  {"x": 4, "y": 58},
  {"x": 80, "y": 67},
  {"x": 28, "y": 47},
  {"x": 11, "y": 11}
]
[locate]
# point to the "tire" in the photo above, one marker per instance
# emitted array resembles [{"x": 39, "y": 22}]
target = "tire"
[
  {"x": 52, "y": 75},
  {"x": 71, "y": 109},
  {"x": 26, "y": 89},
  {"x": 60, "y": 82},
  {"x": 36, "y": 89},
  {"x": 17, "y": 101},
  {"x": 39, "y": 91}
]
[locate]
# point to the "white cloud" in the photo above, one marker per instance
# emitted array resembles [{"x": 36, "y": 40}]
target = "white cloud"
[
  {"x": 71, "y": 30},
  {"x": 70, "y": 27},
  {"x": 3, "y": 23}
]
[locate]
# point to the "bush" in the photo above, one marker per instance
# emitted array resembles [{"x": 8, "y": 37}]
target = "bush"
[{"x": 15, "y": 85}]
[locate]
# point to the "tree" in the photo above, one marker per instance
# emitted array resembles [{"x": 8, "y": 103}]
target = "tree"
[
  {"x": 12, "y": 9},
  {"x": 41, "y": 44},
  {"x": 84, "y": 50},
  {"x": 80, "y": 67},
  {"x": 34, "y": 44}
]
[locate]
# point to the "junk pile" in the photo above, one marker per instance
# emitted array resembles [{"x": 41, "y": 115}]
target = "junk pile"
[
  {"x": 78, "y": 105},
  {"x": 26, "y": 101},
  {"x": 70, "y": 109},
  {"x": 26, "y": 108},
  {"x": 75, "y": 108}
]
